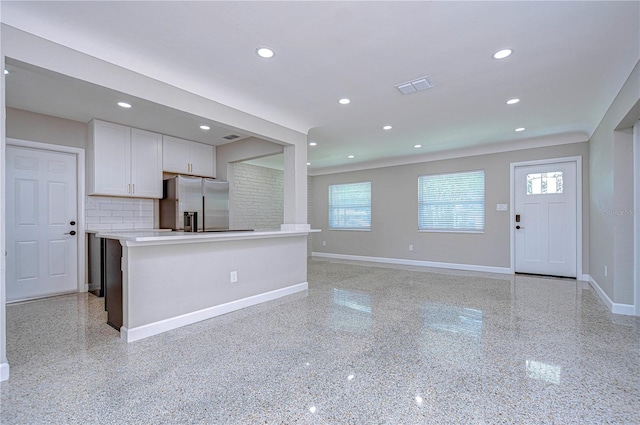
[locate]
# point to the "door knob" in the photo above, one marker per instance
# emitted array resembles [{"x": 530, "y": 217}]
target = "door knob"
[
  {"x": 518, "y": 227},
  {"x": 72, "y": 233},
  {"x": 73, "y": 223}
]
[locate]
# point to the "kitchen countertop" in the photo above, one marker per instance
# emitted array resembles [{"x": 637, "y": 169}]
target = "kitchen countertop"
[
  {"x": 160, "y": 237},
  {"x": 126, "y": 231}
]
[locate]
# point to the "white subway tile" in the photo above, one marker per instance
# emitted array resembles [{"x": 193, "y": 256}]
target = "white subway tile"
[
  {"x": 122, "y": 214},
  {"x": 99, "y": 227},
  {"x": 113, "y": 206},
  {"x": 123, "y": 226},
  {"x": 110, "y": 220}
]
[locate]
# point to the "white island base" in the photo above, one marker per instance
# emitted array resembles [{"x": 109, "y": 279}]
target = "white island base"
[{"x": 175, "y": 279}]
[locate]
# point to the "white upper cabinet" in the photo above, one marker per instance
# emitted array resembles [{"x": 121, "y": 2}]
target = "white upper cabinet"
[
  {"x": 186, "y": 157},
  {"x": 123, "y": 161},
  {"x": 146, "y": 164}
]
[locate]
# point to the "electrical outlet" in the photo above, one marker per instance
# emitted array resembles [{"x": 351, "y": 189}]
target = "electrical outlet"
[
  {"x": 410, "y": 247},
  {"x": 234, "y": 276},
  {"x": 324, "y": 243},
  {"x": 606, "y": 272}
]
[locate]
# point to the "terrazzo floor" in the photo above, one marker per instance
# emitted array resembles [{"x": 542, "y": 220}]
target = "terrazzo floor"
[{"x": 365, "y": 345}]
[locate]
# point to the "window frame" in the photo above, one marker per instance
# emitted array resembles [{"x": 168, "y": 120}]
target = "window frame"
[
  {"x": 468, "y": 230},
  {"x": 331, "y": 207}
]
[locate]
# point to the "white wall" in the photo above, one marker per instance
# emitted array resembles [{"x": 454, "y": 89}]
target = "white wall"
[{"x": 199, "y": 277}]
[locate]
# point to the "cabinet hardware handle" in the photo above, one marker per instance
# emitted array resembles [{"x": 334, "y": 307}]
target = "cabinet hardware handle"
[
  {"x": 133, "y": 190},
  {"x": 72, "y": 233}
]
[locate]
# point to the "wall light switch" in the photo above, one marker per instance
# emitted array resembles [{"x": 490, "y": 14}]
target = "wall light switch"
[
  {"x": 501, "y": 207},
  {"x": 234, "y": 276},
  {"x": 410, "y": 247},
  {"x": 324, "y": 243}
]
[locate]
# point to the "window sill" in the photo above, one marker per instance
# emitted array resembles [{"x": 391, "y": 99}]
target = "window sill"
[
  {"x": 473, "y": 232},
  {"x": 350, "y": 230}
]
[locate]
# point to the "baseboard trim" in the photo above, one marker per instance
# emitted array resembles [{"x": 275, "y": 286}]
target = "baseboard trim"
[
  {"x": 140, "y": 332},
  {"x": 4, "y": 371},
  {"x": 616, "y": 308},
  {"x": 406, "y": 262}
]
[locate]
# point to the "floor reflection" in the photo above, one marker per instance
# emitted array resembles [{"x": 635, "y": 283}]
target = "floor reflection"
[{"x": 351, "y": 311}]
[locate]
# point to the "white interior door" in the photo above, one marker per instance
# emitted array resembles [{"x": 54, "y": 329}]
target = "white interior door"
[
  {"x": 546, "y": 219},
  {"x": 42, "y": 232}
]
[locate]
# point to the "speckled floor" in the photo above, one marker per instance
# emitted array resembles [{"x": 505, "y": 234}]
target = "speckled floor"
[{"x": 366, "y": 345}]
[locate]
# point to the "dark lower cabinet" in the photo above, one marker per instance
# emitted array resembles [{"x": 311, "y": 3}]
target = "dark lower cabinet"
[
  {"x": 94, "y": 248},
  {"x": 112, "y": 278}
]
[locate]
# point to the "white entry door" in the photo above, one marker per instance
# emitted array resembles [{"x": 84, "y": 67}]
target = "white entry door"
[
  {"x": 42, "y": 232},
  {"x": 546, "y": 219}
]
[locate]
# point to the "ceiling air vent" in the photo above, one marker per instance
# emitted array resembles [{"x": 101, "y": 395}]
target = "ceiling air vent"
[
  {"x": 231, "y": 137},
  {"x": 415, "y": 85}
]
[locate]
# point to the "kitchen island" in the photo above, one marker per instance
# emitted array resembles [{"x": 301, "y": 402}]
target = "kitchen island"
[{"x": 172, "y": 279}]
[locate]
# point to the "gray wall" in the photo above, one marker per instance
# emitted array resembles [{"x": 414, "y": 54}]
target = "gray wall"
[
  {"x": 46, "y": 129},
  {"x": 612, "y": 194},
  {"x": 257, "y": 197},
  {"x": 395, "y": 205}
]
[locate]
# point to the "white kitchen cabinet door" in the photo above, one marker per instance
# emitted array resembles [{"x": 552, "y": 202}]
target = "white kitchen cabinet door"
[
  {"x": 175, "y": 155},
  {"x": 123, "y": 161},
  {"x": 202, "y": 159},
  {"x": 146, "y": 164},
  {"x": 109, "y": 159},
  {"x": 186, "y": 157}
]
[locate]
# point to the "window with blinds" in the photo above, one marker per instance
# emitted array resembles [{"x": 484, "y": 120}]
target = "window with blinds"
[
  {"x": 350, "y": 206},
  {"x": 451, "y": 202}
]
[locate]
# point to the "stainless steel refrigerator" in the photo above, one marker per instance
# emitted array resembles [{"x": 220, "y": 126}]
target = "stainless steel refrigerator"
[
  {"x": 215, "y": 195},
  {"x": 208, "y": 198}
]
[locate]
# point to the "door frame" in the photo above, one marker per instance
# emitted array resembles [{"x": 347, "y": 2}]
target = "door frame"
[
  {"x": 512, "y": 234},
  {"x": 82, "y": 286}
]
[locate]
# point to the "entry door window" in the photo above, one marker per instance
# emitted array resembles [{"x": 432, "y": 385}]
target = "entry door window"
[{"x": 543, "y": 183}]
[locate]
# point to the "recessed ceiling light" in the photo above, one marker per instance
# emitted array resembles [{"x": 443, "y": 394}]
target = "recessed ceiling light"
[
  {"x": 512, "y": 101},
  {"x": 501, "y": 54},
  {"x": 417, "y": 146},
  {"x": 313, "y": 144},
  {"x": 6, "y": 72},
  {"x": 344, "y": 101},
  {"x": 124, "y": 105},
  {"x": 265, "y": 52},
  {"x": 205, "y": 127},
  {"x": 520, "y": 129},
  {"x": 308, "y": 163},
  {"x": 387, "y": 127},
  {"x": 351, "y": 157}
]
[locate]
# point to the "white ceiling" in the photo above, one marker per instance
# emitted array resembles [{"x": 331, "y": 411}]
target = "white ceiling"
[{"x": 570, "y": 60}]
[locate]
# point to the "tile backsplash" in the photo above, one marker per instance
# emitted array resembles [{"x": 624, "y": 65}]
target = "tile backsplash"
[{"x": 108, "y": 213}]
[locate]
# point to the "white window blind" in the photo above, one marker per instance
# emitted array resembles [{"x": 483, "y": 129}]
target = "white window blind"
[
  {"x": 451, "y": 202},
  {"x": 350, "y": 206}
]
